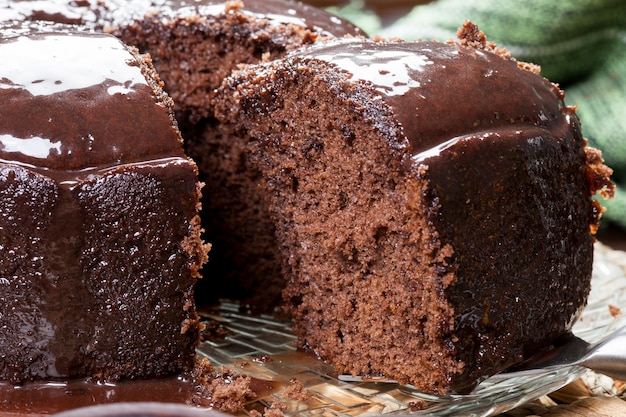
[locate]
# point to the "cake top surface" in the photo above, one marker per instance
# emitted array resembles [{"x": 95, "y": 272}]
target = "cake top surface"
[
  {"x": 119, "y": 12},
  {"x": 47, "y": 10},
  {"x": 439, "y": 91},
  {"x": 77, "y": 100}
]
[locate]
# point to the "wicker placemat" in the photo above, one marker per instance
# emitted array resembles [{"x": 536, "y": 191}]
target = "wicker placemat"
[{"x": 586, "y": 397}]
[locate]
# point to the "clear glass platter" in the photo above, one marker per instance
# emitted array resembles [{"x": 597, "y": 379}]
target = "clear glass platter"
[{"x": 263, "y": 348}]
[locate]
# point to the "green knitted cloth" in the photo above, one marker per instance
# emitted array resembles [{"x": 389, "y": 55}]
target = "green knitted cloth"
[{"x": 579, "y": 44}]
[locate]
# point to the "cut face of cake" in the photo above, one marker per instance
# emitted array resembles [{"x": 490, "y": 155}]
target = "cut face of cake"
[
  {"x": 432, "y": 202},
  {"x": 194, "y": 48},
  {"x": 99, "y": 225}
]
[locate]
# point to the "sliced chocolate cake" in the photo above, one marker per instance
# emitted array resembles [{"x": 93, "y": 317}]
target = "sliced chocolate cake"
[{"x": 432, "y": 202}]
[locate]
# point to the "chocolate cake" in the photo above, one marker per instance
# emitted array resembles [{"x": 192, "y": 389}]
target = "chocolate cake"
[
  {"x": 99, "y": 224},
  {"x": 193, "y": 47},
  {"x": 429, "y": 204},
  {"x": 432, "y": 202}
]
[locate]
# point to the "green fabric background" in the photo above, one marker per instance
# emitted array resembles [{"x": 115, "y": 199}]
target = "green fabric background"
[{"x": 579, "y": 44}]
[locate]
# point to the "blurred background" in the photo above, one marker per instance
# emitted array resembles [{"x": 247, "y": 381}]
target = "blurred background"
[{"x": 579, "y": 44}]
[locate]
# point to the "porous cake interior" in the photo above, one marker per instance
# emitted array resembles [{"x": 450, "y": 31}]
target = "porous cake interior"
[
  {"x": 366, "y": 271},
  {"x": 244, "y": 259}
]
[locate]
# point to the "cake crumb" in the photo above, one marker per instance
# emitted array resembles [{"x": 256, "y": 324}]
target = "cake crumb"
[
  {"x": 615, "y": 311},
  {"x": 262, "y": 359},
  {"x": 223, "y": 390},
  {"x": 470, "y": 35},
  {"x": 416, "y": 405},
  {"x": 213, "y": 330},
  {"x": 296, "y": 391},
  {"x": 599, "y": 174},
  {"x": 275, "y": 410}
]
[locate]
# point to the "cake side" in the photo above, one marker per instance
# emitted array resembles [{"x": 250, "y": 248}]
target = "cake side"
[
  {"x": 140, "y": 274},
  {"x": 528, "y": 224},
  {"x": 521, "y": 239},
  {"x": 444, "y": 226},
  {"x": 108, "y": 242}
]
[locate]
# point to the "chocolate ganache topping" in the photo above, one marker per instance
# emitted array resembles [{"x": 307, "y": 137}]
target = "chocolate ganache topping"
[
  {"x": 440, "y": 91},
  {"x": 64, "y": 99},
  {"x": 111, "y": 13},
  {"x": 47, "y": 10}
]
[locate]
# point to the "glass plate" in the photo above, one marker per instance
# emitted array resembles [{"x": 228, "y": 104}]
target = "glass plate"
[{"x": 263, "y": 348}]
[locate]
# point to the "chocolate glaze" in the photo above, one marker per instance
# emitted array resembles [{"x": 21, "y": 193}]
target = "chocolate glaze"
[
  {"x": 81, "y": 397},
  {"x": 89, "y": 157},
  {"x": 39, "y": 90},
  {"x": 52, "y": 10},
  {"x": 45, "y": 398},
  {"x": 277, "y": 11},
  {"x": 496, "y": 297},
  {"x": 120, "y": 12},
  {"x": 420, "y": 81}
]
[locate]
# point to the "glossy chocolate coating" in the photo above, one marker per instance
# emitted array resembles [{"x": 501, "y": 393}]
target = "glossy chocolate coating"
[
  {"x": 421, "y": 81},
  {"x": 90, "y": 159},
  {"x": 38, "y": 92},
  {"x": 120, "y": 12},
  {"x": 276, "y": 11},
  {"x": 46, "y": 398}
]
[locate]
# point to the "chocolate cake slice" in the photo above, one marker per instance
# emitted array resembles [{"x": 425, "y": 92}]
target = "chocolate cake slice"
[
  {"x": 432, "y": 202},
  {"x": 99, "y": 223}
]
